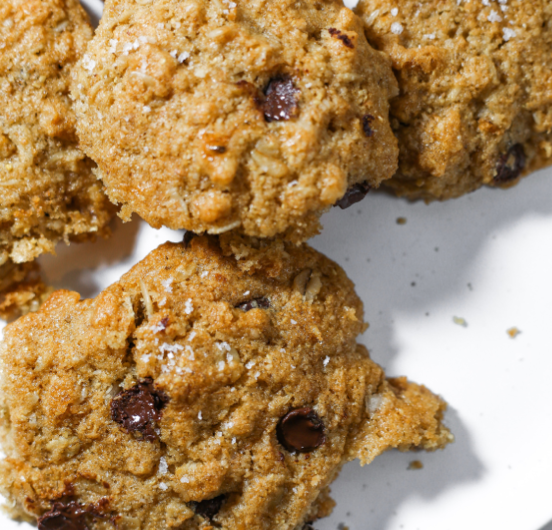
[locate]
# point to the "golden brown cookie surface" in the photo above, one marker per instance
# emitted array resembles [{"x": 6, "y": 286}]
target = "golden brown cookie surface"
[
  {"x": 48, "y": 191},
  {"x": 475, "y": 104},
  {"x": 200, "y": 390},
  {"x": 256, "y": 116}
]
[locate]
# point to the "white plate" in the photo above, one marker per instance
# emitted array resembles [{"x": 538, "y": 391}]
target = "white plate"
[{"x": 486, "y": 258}]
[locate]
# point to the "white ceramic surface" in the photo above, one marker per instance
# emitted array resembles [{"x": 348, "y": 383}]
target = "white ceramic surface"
[{"x": 486, "y": 258}]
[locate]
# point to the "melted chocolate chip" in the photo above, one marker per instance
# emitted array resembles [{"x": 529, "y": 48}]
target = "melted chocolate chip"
[
  {"x": 70, "y": 516},
  {"x": 208, "y": 508},
  {"x": 338, "y": 34},
  {"x": 353, "y": 195},
  {"x": 301, "y": 430},
  {"x": 367, "y": 120},
  {"x": 257, "y": 303},
  {"x": 510, "y": 165},
  {"x": 138, "y": 408},
  {"x": 281, "y": 99},
  {"x": 219, "y": 149}
]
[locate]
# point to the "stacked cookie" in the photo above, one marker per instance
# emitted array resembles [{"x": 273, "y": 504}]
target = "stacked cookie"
[{"x": 219, "y": 383}]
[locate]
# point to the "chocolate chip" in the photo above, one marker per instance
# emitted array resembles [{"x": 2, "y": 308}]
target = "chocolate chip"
[
  {"x": 219, "y": 149},
  {"x": 367, "y": 120},
  {"x": 257, "y": 303},
  {"x": 138, "y": 408},
  {"x": 510, "y": 165},
  {"x": 70, "y": 516},
  {"x": 208, "y": 508},
  {"x": 301, "y": 430},
  {"x": 353, "y": 195},
  {"x": 281, "y": 99},
  {"x": 338, "y": 34}
]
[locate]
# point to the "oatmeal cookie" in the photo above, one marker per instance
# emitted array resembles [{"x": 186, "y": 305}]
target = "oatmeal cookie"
[
  {"x": 22, "y": 289},
  {"x": 202, "y": 390},
  {"x": 49, "y": 192},
  {"x": 256, "y": 116},
  {"x": 475, "y": 78}
]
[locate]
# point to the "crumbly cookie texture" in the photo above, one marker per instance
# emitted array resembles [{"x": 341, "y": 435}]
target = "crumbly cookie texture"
[
  {"x": 199, "y": 391},
  {"x": 475, "y": 78},
  {"x": 49, "y": 192},
  {"x": 256, "y": 116},
  {"x": 22, "y": 289}
]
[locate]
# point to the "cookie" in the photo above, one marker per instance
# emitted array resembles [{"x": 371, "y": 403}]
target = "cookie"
[
  {"x": 254, "y": 116},
  {"x": 475, "y": 103},
  {"x": 22, "y": 289},
  {"x": 49, "y": 191},
  {"x": 215, "y": 385}
]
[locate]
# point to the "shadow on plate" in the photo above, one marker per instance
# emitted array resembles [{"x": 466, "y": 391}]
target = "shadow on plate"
[
  {"x": 387, "y": 482},
  {"x": 74, "y": 265},
  {"x": 406, "y": 268}
]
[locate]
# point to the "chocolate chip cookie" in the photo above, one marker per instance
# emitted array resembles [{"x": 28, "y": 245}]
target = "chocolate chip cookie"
[
  {"x": 255, "y": 116},
  {"x": 475, "y": 103},
  {"x": 218, "y": 384},
  {"x": 49, "y": 192}
]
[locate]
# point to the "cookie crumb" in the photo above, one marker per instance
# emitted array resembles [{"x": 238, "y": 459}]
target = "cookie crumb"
[
  {"x": 415, "y": 464},
  {"x": 401, "y": 220},
  {"x": 513, "y": 332},
  {"x": 460, "y": 321}
]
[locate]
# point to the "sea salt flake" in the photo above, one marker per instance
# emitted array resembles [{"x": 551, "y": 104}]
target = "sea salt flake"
[
  {"x": 250, "y": 364},
  {"x": 221, "y": 365},
  {"x": 163, "y": 466},
  {"x": 163, "y": 486},
  {"x": 183, "y": 56},
  {"x": 188, "y": 306},
  {"x": 494, "y": 16},
  {"x": 185, "y": 479},
  {"x": 146, "y": 109},
  {"x": 293, "y": 321},
  {"x": 158, "y": 327},
  {"x": 167, "y": 284},
  {"x": 394, "y": 11},
  {"x": 397, "y": 28},
  {"x": 199, "y": 416},
  {"x": 508, "y": 34},
  {"x": 88, "y": 63},
  {"x": 171, "y": 348},
  {"x": 326, "y": 361}
]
